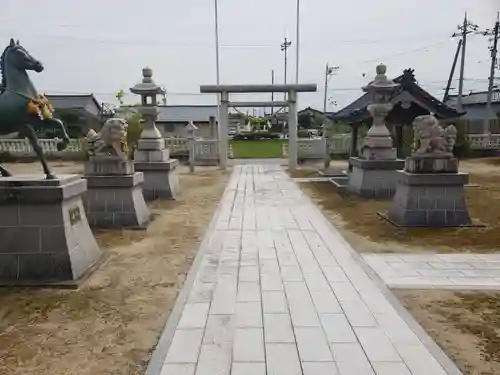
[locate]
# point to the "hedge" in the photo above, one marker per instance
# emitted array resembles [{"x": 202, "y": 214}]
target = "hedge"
[{"x": 255, "y": 136}]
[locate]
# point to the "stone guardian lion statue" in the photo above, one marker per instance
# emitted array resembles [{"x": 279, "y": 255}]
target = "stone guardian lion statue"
[
  {"x": 430, "y": 138},
  {"x": 110, "y": 141}
]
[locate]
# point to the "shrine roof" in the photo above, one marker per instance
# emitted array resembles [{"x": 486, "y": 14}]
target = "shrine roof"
[{"x": 357, "y": 112}]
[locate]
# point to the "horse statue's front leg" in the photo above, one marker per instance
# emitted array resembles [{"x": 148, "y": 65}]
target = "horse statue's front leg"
[
  {"x": 4, "y": 172},
  {"x": 33, "y": 138}
]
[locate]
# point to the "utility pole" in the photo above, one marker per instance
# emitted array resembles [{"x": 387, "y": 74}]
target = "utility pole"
[
  {"x": 272, "y": 94},
  {"x": 297, "y": 42},
  {"x": 452, "y": 72},
  {"x": 495, "y": 34},
  {"x": 329, "y": 71},
  {"x": 164, "y": 95},
  {"x": 284, "y": 47},
  {"x": 465, "y": 29}
]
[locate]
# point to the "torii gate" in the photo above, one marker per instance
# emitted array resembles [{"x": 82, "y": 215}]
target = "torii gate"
[{"x": 291, "y": 103}]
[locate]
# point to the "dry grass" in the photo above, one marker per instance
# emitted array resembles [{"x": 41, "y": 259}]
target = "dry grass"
[
  {"x": 467, "y": 325},
  {"x": 367, "y": 232},
  {"x": 111, "y": 324}
]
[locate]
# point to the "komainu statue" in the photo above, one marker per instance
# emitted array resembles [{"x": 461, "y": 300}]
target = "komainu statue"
[
  {"x": 430, "y": 138},
  {"x": 110, "y": 141}
]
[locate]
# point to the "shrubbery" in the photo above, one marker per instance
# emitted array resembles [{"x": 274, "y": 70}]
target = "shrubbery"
[
  {"x": 462, "y": 147},
  {"x": 253, "y": 136}
]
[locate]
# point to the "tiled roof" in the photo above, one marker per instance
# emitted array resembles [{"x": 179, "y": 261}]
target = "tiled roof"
[
  {"x": 73, "y": 101},
  {"x": 184, "y": 113},
  {"x": 474, "y": 98}
]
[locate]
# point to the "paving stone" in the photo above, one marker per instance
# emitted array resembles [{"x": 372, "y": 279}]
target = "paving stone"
[
  {"x": 271, "y": 282},
  {"x": 214, "y": 360},
  {"x": 376, "y": 345},
  {"x": 248, "y": 292},
  {"x": 249, "y": 273},
  {"x": 248, "y": 368},
  {"x": 185, "y": 346},
  {"x": 390, "y": 368},
  {"x": 325, "y": 302},
  {"x": 350, "y": 359},
  {"x": 358, "y": 314},
  {"x": 337, "y": 328},
  {"x": 419, "y": 360},
  {"x": 274, "y": 302},
  {"x": 320, "y": 368},
  {"x": 194, "y": 316},
  {"x": 291, "y": 273},
  {"x": 282, "y": 359},
  {"x": 248, "y": 314},
  {"x": 182, "y": 369},
  {"x": 312, "y": 345},
  {"x": 248, "y": 345},
  {"x": 278, "y": 328},
  {"x": 219, "y": 329}
]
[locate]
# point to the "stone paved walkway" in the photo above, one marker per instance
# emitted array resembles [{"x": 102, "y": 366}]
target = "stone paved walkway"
[
  {"x": 437, "y": 271},
  {"x": 278, "y": 292}
]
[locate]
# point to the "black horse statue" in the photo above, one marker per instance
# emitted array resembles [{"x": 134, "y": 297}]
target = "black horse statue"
[{"x": 22, "y": 109}]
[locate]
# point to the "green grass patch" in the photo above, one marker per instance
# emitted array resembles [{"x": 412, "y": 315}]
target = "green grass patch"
[{"x": 262, "y": 149}]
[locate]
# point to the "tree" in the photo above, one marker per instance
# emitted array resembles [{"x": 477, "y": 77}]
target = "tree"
[
  {"x": 135, "y": 126},
  {"x": 120, "y": 95}
]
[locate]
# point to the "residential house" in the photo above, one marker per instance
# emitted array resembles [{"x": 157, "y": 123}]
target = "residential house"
[
  {"x": 78, "y": 112},
  {"x": 476, "y": 112},
  {"x": 172, "y": 120}
]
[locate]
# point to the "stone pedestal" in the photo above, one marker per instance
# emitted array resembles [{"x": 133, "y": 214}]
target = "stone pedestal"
[
  {"x": 160, "y": 179},
  {"x": 430, "y": 193},
  {"x": 114, "y": 197},
  {"x": 378, "y": 148},
  {"x": 374, "y": 178},
  {"x": 44, "y": 234}
]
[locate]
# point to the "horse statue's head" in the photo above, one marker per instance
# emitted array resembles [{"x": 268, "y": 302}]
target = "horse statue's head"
[{"x": 17, "y": 56}]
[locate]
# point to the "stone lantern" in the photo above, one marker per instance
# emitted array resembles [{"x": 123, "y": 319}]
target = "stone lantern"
[
  {"x": 374, "y": 174},
  {"x": 378, "y": 142},
  {"x": 151, "y": 156}
]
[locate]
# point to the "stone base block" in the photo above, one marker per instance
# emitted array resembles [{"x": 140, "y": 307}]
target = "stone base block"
[
  {"x": 430, "y": 200},
  {"x": 115, "y": 202},
  {"x": 152, "y": 156},
  {"x": 44, "y": 234},
  {"x": 206, "y": 162},
  {"x": 374, "y": 178},
  {"x": 108, "y": 166},
  {"x": 331, "y": 172},
  {"x": 160, "y": 179},
  {"x": 431, "y": 164}
]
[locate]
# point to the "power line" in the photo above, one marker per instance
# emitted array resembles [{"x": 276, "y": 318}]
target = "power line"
[
  {"x": 174, "y": 93},
  {"x": 197, "y": 43}
]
